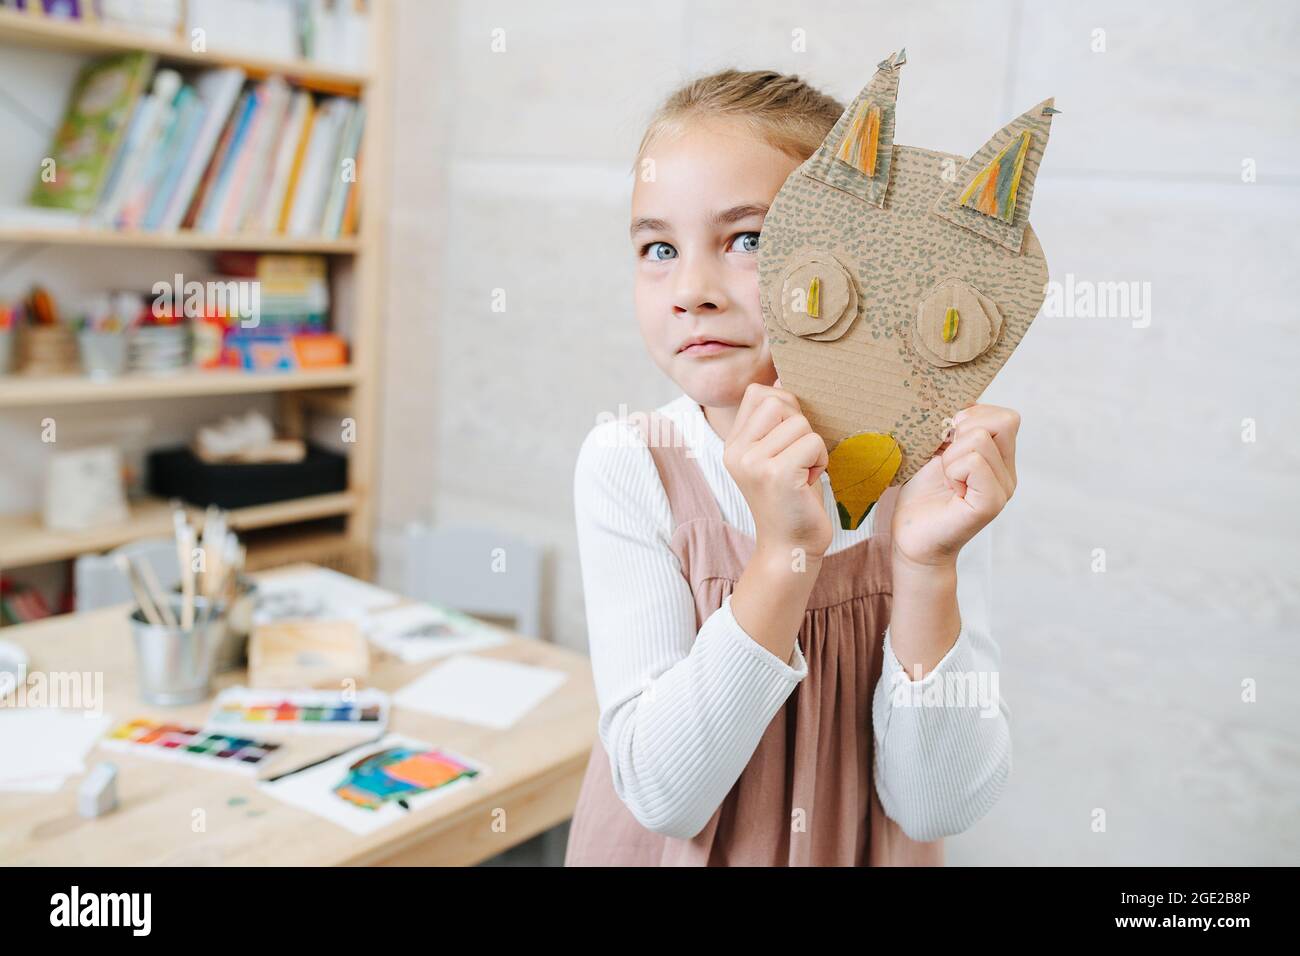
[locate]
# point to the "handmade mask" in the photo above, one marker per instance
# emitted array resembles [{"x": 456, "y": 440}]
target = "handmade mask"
[{"x": 896, "y": 282}]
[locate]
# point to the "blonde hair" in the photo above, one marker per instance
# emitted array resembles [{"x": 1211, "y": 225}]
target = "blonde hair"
[{"x": 779, "y": 108}]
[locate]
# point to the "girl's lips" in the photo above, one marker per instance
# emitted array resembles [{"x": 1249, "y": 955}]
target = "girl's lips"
[{"x": 707, "y": 348}]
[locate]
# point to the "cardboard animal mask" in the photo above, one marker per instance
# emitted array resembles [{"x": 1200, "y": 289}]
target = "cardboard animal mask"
[{"x": 896, "y": 282}]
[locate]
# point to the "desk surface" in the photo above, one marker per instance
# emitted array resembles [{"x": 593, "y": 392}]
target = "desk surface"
[{"x": 536, "y": 771}]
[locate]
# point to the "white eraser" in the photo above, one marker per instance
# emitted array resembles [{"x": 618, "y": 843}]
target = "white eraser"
[{"x": 98, "y": 792}]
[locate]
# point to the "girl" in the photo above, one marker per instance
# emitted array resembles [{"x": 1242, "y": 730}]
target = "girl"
[{"x": 767, "y": 681}]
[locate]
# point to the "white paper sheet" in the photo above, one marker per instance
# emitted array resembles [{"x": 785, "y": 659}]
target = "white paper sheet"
[
  {"x": 480, "y": 690},
  {"x": 319, "y": 594},
  {"x": 422, "y": 632},
  {"x": 34, "y": 785},
  {"x": 38, "y": 743}
]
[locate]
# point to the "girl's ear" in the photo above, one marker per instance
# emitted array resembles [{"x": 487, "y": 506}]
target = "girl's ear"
[
  {"x": 858, "y": 151},
  {"x": 992, "y": 192}
]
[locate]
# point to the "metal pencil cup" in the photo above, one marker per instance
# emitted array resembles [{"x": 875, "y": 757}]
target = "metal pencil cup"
[
  {"x": 232, "y": 649},
  {"x": 174, "y": 664}
]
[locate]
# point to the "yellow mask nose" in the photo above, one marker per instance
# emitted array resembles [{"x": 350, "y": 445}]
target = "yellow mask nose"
[{"x": 861, "y": 468}]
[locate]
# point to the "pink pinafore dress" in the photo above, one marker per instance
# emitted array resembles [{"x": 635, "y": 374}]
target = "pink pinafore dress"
[{"x": 815, "y": 756}]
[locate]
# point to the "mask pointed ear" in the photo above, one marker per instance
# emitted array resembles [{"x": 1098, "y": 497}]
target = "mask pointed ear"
[
  {"x": 992, "y": 192},
  {"x": 857, "y": 153}
]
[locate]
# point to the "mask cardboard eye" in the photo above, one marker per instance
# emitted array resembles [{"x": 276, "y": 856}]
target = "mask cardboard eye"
[
  {"x": 818, "y": 299},
  {"x": 955, "y": 323}
]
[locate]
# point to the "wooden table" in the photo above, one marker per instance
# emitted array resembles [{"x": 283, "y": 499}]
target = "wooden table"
[{"x": 536, "y": 771}]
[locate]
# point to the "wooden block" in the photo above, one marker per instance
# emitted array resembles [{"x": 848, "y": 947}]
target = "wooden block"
[{"x": 289, "y": 654}]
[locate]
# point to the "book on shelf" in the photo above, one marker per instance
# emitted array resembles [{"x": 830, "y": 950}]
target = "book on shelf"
[
  {"x": 333, "y": 33},
  {"x": 344, "y": 171},
  {"x": 218, "y": 91},
  {"x": 257, "y": 164},
  {"x": 160, "y": 18},
  {"x": 209, "y": 152},
  {"x": 89, "y": 139},
  {"x": 265, "y": 214},
  {"x": 148, "y": 121}
]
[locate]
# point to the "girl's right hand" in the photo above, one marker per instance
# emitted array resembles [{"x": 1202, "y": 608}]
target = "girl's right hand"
[{"x": 777, "y": 460}]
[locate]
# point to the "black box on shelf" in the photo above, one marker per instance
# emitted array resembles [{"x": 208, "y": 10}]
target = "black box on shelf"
[{"x": 179, "y": 473}]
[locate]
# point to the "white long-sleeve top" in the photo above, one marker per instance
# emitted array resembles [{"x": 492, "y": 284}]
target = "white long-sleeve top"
[{"x": 682, "y": 712}]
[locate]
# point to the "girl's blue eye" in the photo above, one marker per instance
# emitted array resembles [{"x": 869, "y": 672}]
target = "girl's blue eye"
[
  {"x": 745, "y": 242},
  {"x": 659, "y": 252}
]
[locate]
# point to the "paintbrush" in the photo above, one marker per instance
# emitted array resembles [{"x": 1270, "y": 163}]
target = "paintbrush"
[
  {"x": 142, "y": 598},
  {"x": 184, "y": 552},
  {"x": 326, "y": 759},
  {"x": 156, "y": 593}
]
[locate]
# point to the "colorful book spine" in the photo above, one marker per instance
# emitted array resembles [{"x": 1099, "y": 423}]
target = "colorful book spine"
[
  {"x": 295, "y": 173},
  {"x": 343, "y": 175},
  {"x": 218, "y": 90},
  {"x": 93, "y": 130},
  {"x": 264, "y": 217},
  {"x": 210, "y": 216},
  {"x": 191, "y": 120}
]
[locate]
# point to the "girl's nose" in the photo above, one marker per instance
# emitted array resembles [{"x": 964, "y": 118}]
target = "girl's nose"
[{"x": 699, "y": 289}]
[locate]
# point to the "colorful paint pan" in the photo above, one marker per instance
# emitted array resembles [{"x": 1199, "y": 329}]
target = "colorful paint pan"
[
  {"x": 150, "y": 738},
  {"x": 361, "y": 711}
]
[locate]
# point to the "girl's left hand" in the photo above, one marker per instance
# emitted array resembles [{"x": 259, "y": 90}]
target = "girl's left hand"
[{"x": 958, "y": 491}]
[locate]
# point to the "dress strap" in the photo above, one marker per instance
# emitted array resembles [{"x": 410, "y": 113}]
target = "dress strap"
[{"x": 689, "y": 496}]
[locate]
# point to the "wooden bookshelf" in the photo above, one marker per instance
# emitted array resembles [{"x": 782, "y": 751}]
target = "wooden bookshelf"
[
  {"x": 182, "y": 239},
  {"x": 19, "y": 391},
  {"x": 24, "y": 540},
  {"x": 357, "y": 306},
  {"x": 32, "y": 29}
]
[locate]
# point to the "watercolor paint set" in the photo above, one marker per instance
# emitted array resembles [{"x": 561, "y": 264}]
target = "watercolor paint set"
[
  {"x": 196, "y": 745},
  {"x": 300, "y": 712}
]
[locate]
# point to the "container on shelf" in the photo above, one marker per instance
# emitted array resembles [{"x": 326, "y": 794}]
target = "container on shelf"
[
  {"x": 49, "y": 350},
  {"x": 179, "y": 473},
  {"x": 103, "y": 354},
  {"x": 159, "y": 348},
  {"x": 6, "y": 350}
]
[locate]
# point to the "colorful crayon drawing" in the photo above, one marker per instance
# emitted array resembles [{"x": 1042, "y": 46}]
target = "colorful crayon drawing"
[
  {"x": 398, "y": 773},
  {"x": 378, "y": 783}
]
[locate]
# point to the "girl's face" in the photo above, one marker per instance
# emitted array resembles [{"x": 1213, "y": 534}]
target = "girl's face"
[{"x": 696, "y": 215}]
